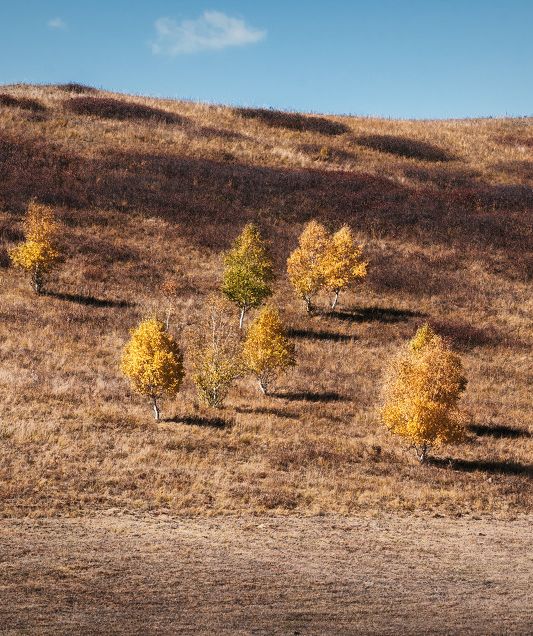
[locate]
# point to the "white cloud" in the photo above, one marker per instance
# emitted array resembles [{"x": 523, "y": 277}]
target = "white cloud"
[
  {"x": 57, "y": 23},
  {"x": 212, "y": 31}
]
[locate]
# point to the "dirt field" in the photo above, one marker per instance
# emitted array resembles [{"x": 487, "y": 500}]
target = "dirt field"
[{"x": 145, "y": 575}]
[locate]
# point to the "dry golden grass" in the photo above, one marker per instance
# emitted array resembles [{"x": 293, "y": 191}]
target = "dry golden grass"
[{"x": 448, "y": 240}]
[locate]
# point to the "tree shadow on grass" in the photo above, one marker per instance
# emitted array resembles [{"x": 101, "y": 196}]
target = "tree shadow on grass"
[
  {"x": 311, "y": 396},
  {"x": 495, "y": 467},
  {"x": 262, "y": 410},
  {"x": 196, "y": 420},
  {"x": 376, "y": 314},
  {"x": 311, "y": 334},
  {"x": 498, "y": 431},
  {"x": 90, "y": 301}
]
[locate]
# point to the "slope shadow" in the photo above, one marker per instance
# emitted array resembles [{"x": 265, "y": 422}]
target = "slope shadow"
[
  {"x": 311, "y": 396},
  {"x": 22, "y": 102},
  {"x": 404, "y": 147},
  {"x": 195, "y": 420},
  {"x": 495, "y": 467},
  {"x": 499, "y": 431},
  {"x": 184, "y": 189},
  {"x": 90, "y": 301},
  {"x": 310, "y": 334},
  {"x": 293, "y": 121},
  {"x": 111, "y": 108},
  {"x": 377, "y": 314}
]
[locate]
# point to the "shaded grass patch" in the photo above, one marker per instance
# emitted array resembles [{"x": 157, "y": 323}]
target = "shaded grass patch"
[
  {"x": 404, "y": 147},
  {"x": 111, "y": 108}
]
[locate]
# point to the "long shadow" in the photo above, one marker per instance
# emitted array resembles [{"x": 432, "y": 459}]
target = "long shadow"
[
  {"x": 499, "y": 431},
  {"x": 293, "y": 121},
  {"x": 310, "y": 334},
  {"x": 311, "y": 396},
  {"x": 470, "y": 466},
  {"x": 90, "y": 301},
  {"x": 111, "y": 108},
  {"x": 195, "y": 420},
  {"x": 268, "y": 411},
  {"x": 404, "y": 147},
  {"x": 376, "y": 314}
]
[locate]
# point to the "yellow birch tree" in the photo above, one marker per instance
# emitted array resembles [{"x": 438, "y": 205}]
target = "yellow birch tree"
[
  {"x": 305, "y": 264},
  {"x": 38, "y": 254},
  {"x": 267, "y": 351},
  {"x": 342, "y": 263},
  {"x": 153, "y": 362},
  {"x": 422, "y": 391}
]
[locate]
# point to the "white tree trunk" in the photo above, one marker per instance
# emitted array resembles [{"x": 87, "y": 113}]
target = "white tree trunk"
[{"x": 156, "y": 408}]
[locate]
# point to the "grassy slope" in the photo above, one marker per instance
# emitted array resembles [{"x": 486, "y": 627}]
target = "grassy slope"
[{"x": 447, "y": 221}]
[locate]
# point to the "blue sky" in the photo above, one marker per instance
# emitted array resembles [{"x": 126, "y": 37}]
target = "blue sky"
[{"x": 417, "y": 58}]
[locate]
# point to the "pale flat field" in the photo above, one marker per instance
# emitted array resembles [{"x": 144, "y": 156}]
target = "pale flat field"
[{"x": 125, "y": 574}]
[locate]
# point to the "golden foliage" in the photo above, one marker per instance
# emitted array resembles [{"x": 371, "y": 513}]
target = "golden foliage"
[
  {"x": 267, "y": 351},
  {"x": 305, "y": 264},
  {"x": 342, "y": 263},
  {"x": 38, "y": 254},
  {"x": 248, "y": 271},
  {"x": 422, "y": 393},
  {"x": 217, "y": 353},
  {"x": 153, "y": 362}
]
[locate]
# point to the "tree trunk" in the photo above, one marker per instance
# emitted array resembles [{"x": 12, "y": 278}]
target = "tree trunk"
[
  {"x": 423, "y": 454},
  {"x": 335, "y": 299},
  {"x": 167, "y": 322},
  {"x": 308, "y": 305},
  {"x": 156, "y": 408},
  {"x": 263, "y": 385},
  {"x": 37, "y": 281},
  {"x": 241, "y": 320}
]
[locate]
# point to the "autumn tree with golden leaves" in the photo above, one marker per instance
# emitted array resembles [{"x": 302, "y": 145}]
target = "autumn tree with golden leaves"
[
  {"x": 422, "y": 392},
  {"x": 38, "y": 254},
  {"x": 305, "y": 266},
  {"x": 216, "y": 352},
  {"x": 248, "y": 271},
  {"x": 342, "y": 263},
  {"x": 267, "y": 351},
  {"x": 153, "y": 362}
]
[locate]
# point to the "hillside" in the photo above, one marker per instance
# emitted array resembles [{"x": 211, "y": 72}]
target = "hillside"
[{"x": 145, "y": 188}]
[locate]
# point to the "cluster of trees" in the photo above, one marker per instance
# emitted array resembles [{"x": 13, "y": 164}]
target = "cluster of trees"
[
  {"x": 423, "y": 383},
  {"x": 153, "y": 360}
]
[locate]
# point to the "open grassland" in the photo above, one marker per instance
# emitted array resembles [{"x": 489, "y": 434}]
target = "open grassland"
[{"x": 145, "y": 188}]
